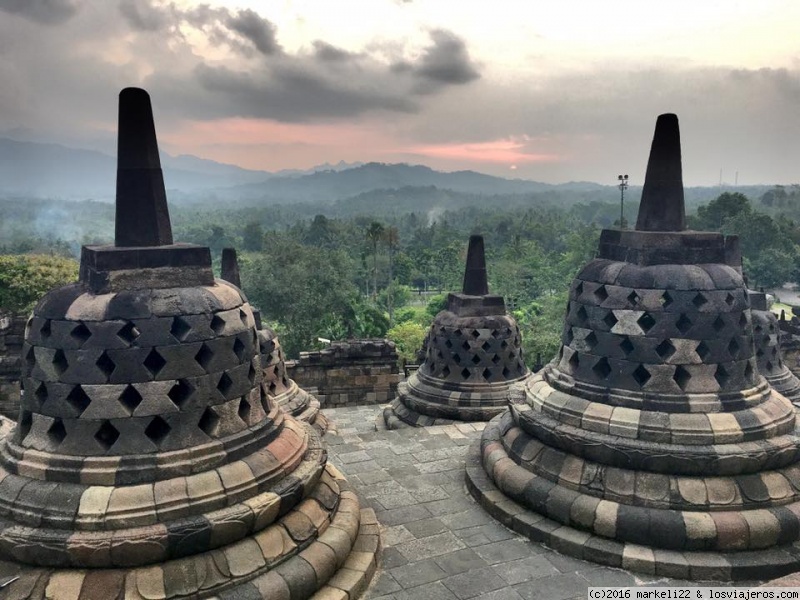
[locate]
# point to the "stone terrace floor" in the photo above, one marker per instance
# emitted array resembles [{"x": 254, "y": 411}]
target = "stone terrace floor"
[{"x": 438, "y": 543}]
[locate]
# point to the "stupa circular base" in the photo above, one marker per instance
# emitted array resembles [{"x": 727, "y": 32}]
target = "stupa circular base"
[
  {"x": 755, "y": 564},
  {"x": 325, "y": 547},
  {"x": 303, "y": 406},
  {"x": 787, "y": 384}
]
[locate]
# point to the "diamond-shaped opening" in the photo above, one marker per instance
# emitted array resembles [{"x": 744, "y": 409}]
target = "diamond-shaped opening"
[
  {"x": 759, "y": 353},
  {"x": 448, "y": 344},
  {"x": 503, "y": 344},
  {"x": 154, "y": 362},
  {"x": 772, "y": 327},
  {"x": 217, "y": 324},
  {"x": 610, "y": 319},
  {"x": 666, "y": 299},
  {"x": 601, "y": 294},
  {"x": 30, "y": 359},
  {"x": 465, "y": 345},
  {"x": 574, "y": 361},
  {"x": 251, "y": 374},
  {"x": 476, "y": 334},
  {"x": 601, "y": 368},
  {"x": 224, "y": 384},
  {"x": 496, "y": 358},
  {"x": 476, "y": 359},
  {"x": 78, "y": 399},
  {"x": 641, "y": 375},
  {"x": 106, "y": 435},
  {"x": 733, "y": 348},
  {"x": 581, "y": 315},
  {"x": 244, "y": 410},
  {"x": 730, "y": 299},
  {"x": 506, "y": 372},
  {"x": 591, "y": 340},
  {"x": 569, "y": 336},
  {"x": 749, "y": 371},
  {"x": 180, "y": 329},
  {"x": 699, "y": 300},
  {"x": 45, "y": 329},
  {"x": 718, "y": 324},
  {"x": 722, "y": 376},
  {"x": 683, "y": 324},
  {"x": 757, "y": 328},
  {"x": 702, "y": 350},
  {"x": 243, "y": 316},
  {"x": 56, "y": 433},
  {"x": 157, "y": 430},
  {"x": 579, "y": 289},
  {"x": 129, "y": 332},
  {"x": 80, "y": 333},
  {"x": 180, "y": 392},
  {"x": 60, "y": 361},
  {"x": 239, "y": 349},
  {"x": 634, "y": 298},
  {"x": 487, "y": 374},
  {"x": 456, "y": 332},
  {"x": 439, "y": 354},
  {"x": 626, "y": 345},
  {"x": 446, "y": 372},
  {"x": 681, "y": 377},
  {"x": 204, "y": 356},
  {"x": 105, "y": 364},
  {"x": 457, "y": 359},
  {"x": 665, "y": 349},
  {"x": 465, "y": 373},
  {"x": 273, "y": 387},
  {"x": 646, "y": 322},
  {"x": 24, "y": 426},
  {"x": 768, "y": 365},
  {"x": 743, "y": 320},
  {"x": 130, "y": 398},
  {"x": 41, "y": 392},
  {"x": 486, "y": 346},
  {"x": 208, "y": 422}
]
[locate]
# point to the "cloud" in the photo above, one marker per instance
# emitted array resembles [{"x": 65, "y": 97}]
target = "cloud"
[
  {"x": 46, "y": 12},
  {"x": 329, "y": 53},
  {"x": 445, "y": 62},
  {"x": 144, "y": 16},
  {"x": 256, "y": 29}
]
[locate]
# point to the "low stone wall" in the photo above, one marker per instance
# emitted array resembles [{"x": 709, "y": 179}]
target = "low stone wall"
[
  {"x": 12, "y": 331},
  {"x": 349, "y": 373}
]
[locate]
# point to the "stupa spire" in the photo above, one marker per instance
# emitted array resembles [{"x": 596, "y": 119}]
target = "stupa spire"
[
  {"x": 230, "y": 267},
  {"x": 662, "y": 207},
  {"x": 142, "y": 213},
  {"x": 475, "y": 283}
]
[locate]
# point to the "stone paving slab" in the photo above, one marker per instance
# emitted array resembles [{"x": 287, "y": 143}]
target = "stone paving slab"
[{"x": 438, "y": 543}]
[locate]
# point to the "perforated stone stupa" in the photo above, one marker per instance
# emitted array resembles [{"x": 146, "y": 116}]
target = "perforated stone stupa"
[
  {"x": 149, "y": 460},
  {"x": 473, "y": 356},
  {"x": 652, "y": 442},
  {"x": 283, "y": 390},
  {"x": 767, "y": 340}
]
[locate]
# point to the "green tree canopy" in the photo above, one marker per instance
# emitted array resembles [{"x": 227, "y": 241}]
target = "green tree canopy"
[{"x": 25, "y": 278}]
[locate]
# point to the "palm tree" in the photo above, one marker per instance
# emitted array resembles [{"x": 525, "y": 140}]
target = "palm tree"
[{"x": 391, "y": 237}]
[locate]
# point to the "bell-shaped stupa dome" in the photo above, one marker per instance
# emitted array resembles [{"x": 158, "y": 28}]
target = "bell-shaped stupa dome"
[
  {"x": 767, "y": 341},
  {"x": 652, "y": 442},
  {"x": 473, "y": 356},
  {"x": 149, "y": 461}
]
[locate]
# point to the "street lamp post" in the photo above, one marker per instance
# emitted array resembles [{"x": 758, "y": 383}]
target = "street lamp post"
[{"x": 623, "y": 185}]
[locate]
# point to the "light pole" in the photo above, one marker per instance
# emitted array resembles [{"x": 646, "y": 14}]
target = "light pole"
[{"x": 623, "y": 185}]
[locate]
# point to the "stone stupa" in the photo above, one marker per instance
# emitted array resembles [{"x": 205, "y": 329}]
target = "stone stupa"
[
  {"x": 473, "y": 357},
  {"x": 767, "y": 340},
  {"x": 652, "y": 442},
  {"x": 149, "y": 460},
  {"x": 283, "y": 390}
]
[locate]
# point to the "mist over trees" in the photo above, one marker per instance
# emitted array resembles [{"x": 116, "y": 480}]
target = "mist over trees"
[{"x": 380, "y": 263}]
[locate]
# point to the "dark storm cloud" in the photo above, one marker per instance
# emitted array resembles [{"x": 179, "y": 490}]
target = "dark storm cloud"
[
  {"x": 446, "y": 61},
  {"x": 260, "y": 32},
  {"x": 47, "y": 12}
]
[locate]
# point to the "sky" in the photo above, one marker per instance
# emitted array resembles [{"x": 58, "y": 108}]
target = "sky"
[{"x": 550, "y": 90}]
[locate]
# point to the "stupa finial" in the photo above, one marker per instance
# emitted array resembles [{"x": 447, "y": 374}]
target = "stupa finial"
[
  {"x": 475, "y": 283},
  {"x": 662, "y": 207},
  {"x": 230, "y": 267},
  {"x": 142, "y": 213}
]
